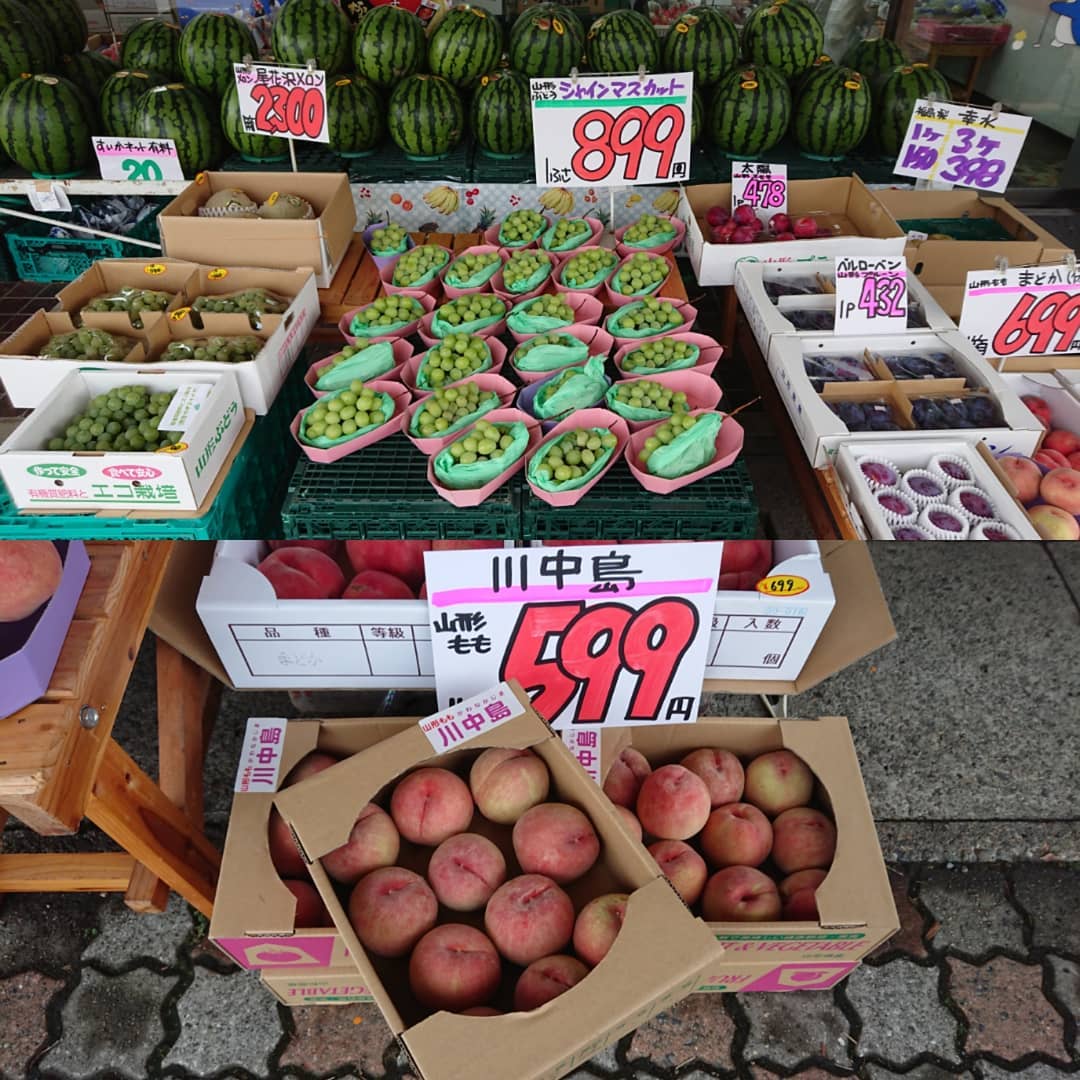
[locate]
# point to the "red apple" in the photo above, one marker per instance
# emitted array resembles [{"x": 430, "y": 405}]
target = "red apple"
[
  {"x": 1052, "y": 459},
  {"x": 327, "y": 547},
  {"x": 376, "y": 585},
  {"x": 719, "y": 236},
  {"x": 717, "y": 215},
  {"x": 302, "y": 574},
  {"x": 805, "y": 228},
  {"x": 402, "y": 558},
  {"x": 744, "y": 215},
  {"x": 780, "y": 223},
  {"x": 1039, "y": 407},
  {"x": 1024, "y": 474},
  {"x": 744, "y": 234},
  {"x": 1064, "y": 442},
  {"x": 785, "y": 236}
]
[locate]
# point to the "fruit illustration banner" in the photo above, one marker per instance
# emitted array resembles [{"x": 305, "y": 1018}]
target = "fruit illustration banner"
[{"x": 595, "y": 634}]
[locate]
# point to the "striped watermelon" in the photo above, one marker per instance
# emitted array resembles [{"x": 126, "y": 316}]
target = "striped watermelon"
[
  {"x": 622, "y": 41},
  {"x": 185, "y": 115},
  {"x": 464, "y": 43},
  {"x": 209, "y": 46},
  {"x": 63, "y": 20},
  {"x": 251, "y": 145},
  {"x": 703, "y": 41},
  {"x": 750, "y": 110},
  {"x": 354, "y": 114},
  {"x": 120, "y": 98},
  {"x": 896, "y": 102},
  {"x": 784, "y": 35},
  {"x": 832, "y": 115},
  {"x": 152, "y": 45},
  {"x": 546, "y": 40},
  {"x": 26, "y": 47},
  {"x": 501, "y": 116},
  {"x": 799, "y": 85},
  {"x": 89, "y": 71},
  {"x": 426, "y": 116},
  {"x": 697, "y": 117},
  {"x": 875, "y": 59},
  {"x": 389, "y": 44},
  {"x": 45, "y": 125},
  {"x": 312, "y": 30}
]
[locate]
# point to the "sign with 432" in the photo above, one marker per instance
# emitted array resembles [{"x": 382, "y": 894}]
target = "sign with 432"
[{"x": 595, "y": 634}]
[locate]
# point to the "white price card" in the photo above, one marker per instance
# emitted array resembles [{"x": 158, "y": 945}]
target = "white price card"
[
  {"x": 871, "y": 295},
  {"x": 596, "y": 634},
  {"x": 285, "y": 102},
  {"x": 184, "y": 407},
  {"x": 962, "y": 145},
  {"x": 1026, "y": 311},
  {"x": 137, "y": 159},
  {"x": 612, "y": 130},
  {"x": 761, "y": 186}
]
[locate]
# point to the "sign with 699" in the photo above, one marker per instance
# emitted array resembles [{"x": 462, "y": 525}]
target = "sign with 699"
[{"x": 605, "y": 634}]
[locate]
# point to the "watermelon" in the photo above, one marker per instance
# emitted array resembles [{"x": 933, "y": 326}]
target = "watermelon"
[
  {"x": 832, "y": 114},
  {"x": 45, "y": 125},
  {"x": 25, "y": 45},
  {"x": 389, "y": 44},
  {"x": 120, "y": 98},
  {"x": 799, "y": 85},
  {"x": 152, "y": 45},
  {"x": 209, "y": 46},
  {"x": 312, "y": 30},
  {"x": 622, "y": 41},
  {"x": 697, "y": 117},
  {"x": 63, "y": 20},
  {"x": 874, "y": 59},
  {"x": 89, "y": 71},
  {"x": 251, "y": 145},
  {"x": 703, "y": 41},
  {"x": 185, "y": 115},
  {"x": 750, "y": 110},
  {"x": 464, "y": 43},
  {"x": 784, "y": 35},
  {"x": 426, "y": 116},
  {"x": 546, "y": 40},
  {"x": 501, "y": 116},
  {"x": 896, "y": 102},
  {"x": 354, "y": 114}
]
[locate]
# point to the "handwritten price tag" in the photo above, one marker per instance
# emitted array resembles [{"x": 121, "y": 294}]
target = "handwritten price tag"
[
  {"x": 871, "y": 295},
  {"x": 760, "y": 186},
  {"x": 137, "y": 159},
  {"x": 612, "y": 130},
  {"x": 1030, "y": 311},
  {"x": 285, "y": 102}
]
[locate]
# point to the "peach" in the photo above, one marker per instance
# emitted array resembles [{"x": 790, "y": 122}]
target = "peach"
[
  {"x": 545, "y": 979},
  {"x": 673, "y": 803},
  {"x": 740, "y": 894},
  {"x": 777, "y": 781},
  {"x": 556, "y": 840},
  {"x": 402, "y": 558},
  {"x": 373, "y": 842},
  {"x": 737, "y": 835},
  {"x": 465, "y": 870},
  {"x": 430, "y": 805},
  {"x": 624, "y": 778},
  {"x": 633, "y": 826},
  {"x": 454, "y": 967},
  {"x": 529, "y": 917},
  {"x": 598, "y": 925},
  {"x": 682, "y": 866},
  {"x": 1074, "y": 460},
  {"x": 302, "y": 574},
  {"x": 799, "y": 895},
  {"x": 1024, "y": 474},
  {"x": 1061, "y": 488},
  {"x": 391, "y": 909},
  {"x": 505, "y": 783},
  {"x": 803, "y": 838},
  {"x": 30, "y": 572},
  {"x": 327, "y": 547},
  {"x": 1053, "y": 523},
  {"x": 284, "y": 854},
  {"x": 1064, "y": 442},
  {"x": 376, "y": 585},
  {"x": 744, "y": 563},
  {"x": 310, "y": 910},
  {"x": 1051, "y": 459},
  {"x": 722, "y": 772}
]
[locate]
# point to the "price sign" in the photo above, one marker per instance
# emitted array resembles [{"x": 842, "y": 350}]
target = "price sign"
[
  {"x": 962, "y": 145},
  {"x": 1027, "y": 311},
  {"x": 612, "y": 130},
  {"x": 137, "y": 159},
  {"x": 760, "y": 186},
  {"x": 286, "y": 102},
  {"x": 595, "y": 634},
  {"x": 871, "y": 295}
]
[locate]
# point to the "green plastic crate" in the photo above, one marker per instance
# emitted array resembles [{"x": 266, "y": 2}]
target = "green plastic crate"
[
  {"x": 387, "y": 164},
  {"x": 310, "y": 157}
]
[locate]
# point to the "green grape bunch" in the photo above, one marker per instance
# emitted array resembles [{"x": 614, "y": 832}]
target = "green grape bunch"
[
  {"x": 657, "y": 355},
  {"x": 214, "y": 350},
  {"x": 572, "y": 455},
  {"x": 568, "y": 229},
  {"x": 642, "y": 272},
  {"x": 647, "y": 225},
  {"x": 666, "y": 433},
  {"x": 248, "y": 302},
  {"x": 450, "y": 405},
  {"x": 472, "y": 308},
  {"x": 581, "y": 268},
  {"x": 521, "y": 227},
  {"x": 649, "y": 394},
  {"x": 550, "y": 307},
  {"x": 87, "y": 343},
  {"x": 389, "y": 311},
  {"x": 485, "y": 442},
  {"x": 125, "y": 419},
  {"x": 649, "y": 314},
  {"x": 132, "y": 300},
  {"x": 345, "y": 413},
  {"x": 522, "y": 265},
  {"x": 388, "y": 239},
  {"x": 417, "y": 262},
  {"x": 455, "y": 357},
  {"x": 465, "y": 266}
]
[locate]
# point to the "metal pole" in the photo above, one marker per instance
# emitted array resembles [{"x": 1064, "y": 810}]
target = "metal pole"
[{"x": 81, "y": 229}]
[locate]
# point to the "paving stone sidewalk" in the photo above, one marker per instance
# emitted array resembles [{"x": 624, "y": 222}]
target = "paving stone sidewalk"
[{"x": 982, "y": 981}]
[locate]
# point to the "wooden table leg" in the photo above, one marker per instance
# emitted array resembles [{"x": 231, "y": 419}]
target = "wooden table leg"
[{"x": 88, "y": 872}]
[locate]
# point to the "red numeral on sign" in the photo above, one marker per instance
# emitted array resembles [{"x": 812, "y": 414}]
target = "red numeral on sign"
[
  {"x": 1033, "y": 322},
  {"x": 591, "y": 648},
  {"x": 297, "y": 113},
  {"x": 627, "y": 136}
]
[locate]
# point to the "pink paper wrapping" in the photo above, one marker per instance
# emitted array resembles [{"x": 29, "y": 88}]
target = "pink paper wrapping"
[
  {"x": 426, "y": 302},
  {"x": 452, "y": 292},
  {"x": 710, "y": 351},
  {"x": 432, "y": 288},
  {"x": 595, "y": 337},
  {"x": 486, "y": 381},
  {"x": 729, "y": 444},
  {"x": 325, "y": 457},
  {"x": 403, "y": 350},
  {"x": 408, "y": 374},
  {"x": 584, "y": 418},
  {"x": 663, "y": 249},
  {"x": 702, "y": 392}
]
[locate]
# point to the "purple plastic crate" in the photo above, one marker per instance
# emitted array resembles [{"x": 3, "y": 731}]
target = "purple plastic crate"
[{"x": 30, "y": 648}]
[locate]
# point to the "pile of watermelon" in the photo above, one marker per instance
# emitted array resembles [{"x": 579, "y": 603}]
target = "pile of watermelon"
[{"x": 424, "y": 86}]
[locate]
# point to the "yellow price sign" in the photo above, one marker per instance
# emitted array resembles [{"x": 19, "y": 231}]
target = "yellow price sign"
[
  {"x": 154, "y": 269},
  {"x": 783, "y": 585},
  {"x": 218, "y": 273},
  {"x": 180, "y": 314}
]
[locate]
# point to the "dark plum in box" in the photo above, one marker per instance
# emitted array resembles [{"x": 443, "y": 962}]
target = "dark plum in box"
[
  {"x": 864, "y": 415},
  {"x": 826, "y": 369}
]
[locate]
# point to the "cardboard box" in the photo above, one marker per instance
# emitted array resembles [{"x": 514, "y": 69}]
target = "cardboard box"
[
  {"x": 30, "y": 647},
  {"x": 1057, "y": 388},
  {"x": 865, "y": 227},
  {"x": 335, "y": 986},
  {"x": 916, "y": 454},
  {"x": 629, "y": 986},
  {"x": 320, "y": 243},
  {"x": 47, "y": 480},
  {"x": 855, "y": 902},
  {"x": 821, "y": 431}
]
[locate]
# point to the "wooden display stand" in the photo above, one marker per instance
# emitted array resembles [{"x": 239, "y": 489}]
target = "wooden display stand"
[{"x": 59, "y": 763}]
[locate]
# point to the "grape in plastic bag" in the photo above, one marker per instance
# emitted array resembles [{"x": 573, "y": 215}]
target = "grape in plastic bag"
[{"x": 683, "y": 445}]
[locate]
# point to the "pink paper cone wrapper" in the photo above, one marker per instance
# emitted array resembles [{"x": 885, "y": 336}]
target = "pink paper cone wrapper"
[
  {"x": 382, "y": 260},
  {"x": 595, "y": 290},
  {"x": 408, "y": 374},
  {"x": 498, "y": 284},
  {"x": 403, "y": 350},
  {"x": 426, "y": 302},
  {"x": 391, "y": 427},
  {"x": 729, "y": 444},
  {"x": 584, "y": 418},
  {"x": 615, "y": 299},
  {"x": 587, "y": 312},
  {"x": 429, "y": 339},
  {"x": 486, "y": 381},
  {"x": 709, "y": 352},
  {"x": 596, "y": 338},
  {"x": 432, "y": 288},
  {"x": 676, "y": 241},
  {"x": 688, "y": 312},
  {"x": 702, "y": 391},
  {"x": 475, "y": 496},
  {"x": 491, "y": 235},
  {"x": 452, "y": 292}
]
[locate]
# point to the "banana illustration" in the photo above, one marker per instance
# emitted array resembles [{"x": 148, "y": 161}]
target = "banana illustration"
[
  {"x": 443, "y": 199},
  {"x": 633, "y": 200},
  {"x": 667, "y": 203},
  {"x": 557, "y": 200}
]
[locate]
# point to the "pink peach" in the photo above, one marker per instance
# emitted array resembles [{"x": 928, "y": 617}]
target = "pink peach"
[
  {"x": 1053, "y": 523},
  {"x": 737, "y": 835},
  {"x": 1061, "y": 488},
  {"x": 682, "y": 866},
  {"x": 30, "y": 572},
  {"x": 557, "y": 840},
  {"x": 302, "y": 574},
  {"x": 720, "y": 769},
  {"x": 529, "y": 917},
  {"x": 284, "y": 854},
  {"x": 673, "y": 803},
  {"x": 430, "y": 805},
  {"x": 1064, "y": 442},
  {"x": 391, "y": 909},
  {"x": 740, "y": 894},
  {"x": 505, "y": 783},
  {"x": 598, "y": 925},
  {"x": 803, "y": 839},
  {"x": 373, "y": 842},
  {"x": 545, "y": 979},
  {"x": 633, "y": 826},
  {"x": 454, "y": 967},
  {"x": 465, "y": 870},
  {"x": 1024, "y": 474},
  {"x": 777, "y": 781},
  {"x": 799, "y": 895},
  {"x": 310, "y": 910},
  {"x": 624, "y": 778}
]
